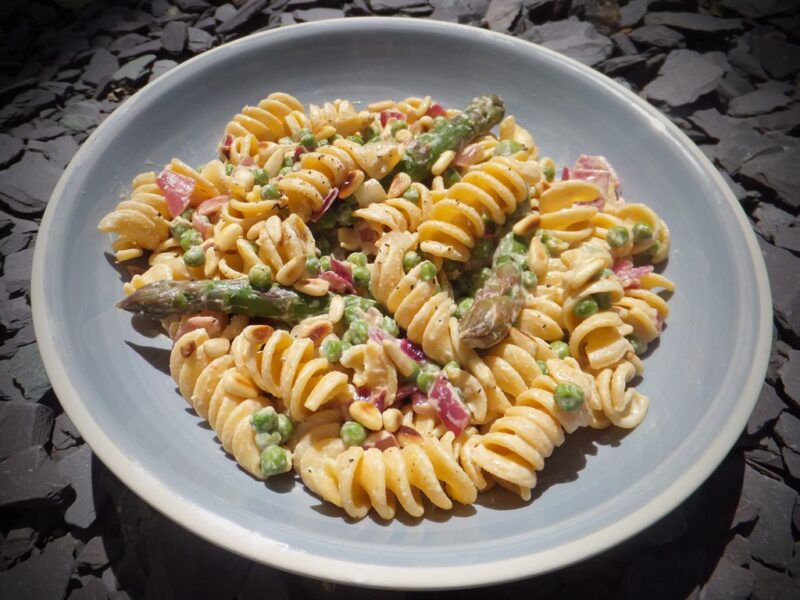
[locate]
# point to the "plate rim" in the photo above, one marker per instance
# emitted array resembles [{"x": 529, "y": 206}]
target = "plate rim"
[{"x": 257, "y": 546}]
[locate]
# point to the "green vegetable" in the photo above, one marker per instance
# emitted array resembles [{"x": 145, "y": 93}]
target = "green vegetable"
[
  {"x": 325, "y": 263},
  {"x": 426, "y": 377},
  {"x": 483, "y": 248},
  {"x": 260, "y": 176},
  {"x": 178, "y": 227},
  {"x": 542, "y": 366},
  {"x": 356, "y": 139},
  {"x": 331, "y": 350},
  {"x": 353, "y": 433},
  {"x": 285, "y": 428},
  {"x": 358, "y": 258},
  {"x": 585, "y": 308},
  {"x": 561, "y": 349},
  {"x": 228, "y": 169},
  {"x": 480, "y": 278},
  {"x": 617, "y": 236},
  {"x": 361, "y": 276},
  {"x": 264, "y": 420},
  {"x": 194, "y": 257},
  {"x": 274, "y": 461},
  {"x": 463, "y": 307},
  {"x": 427, "y": 271},
  {"x": 454, "y": 133},
  {"x": 307, "y": 140},
  {"x": 412, "y": 195},
  {"x": 634, "y": 340},
  {"x": 162, "y": 299},
  {"x": 389, "y": 325},
  {"x": 411, "y": 260},
  {"x": 606, "y": 273},
  {"x": 397, "y": 126},
  {"x": 653, "y": 250},
  {"x": 451, "y": 177},
  {"x": 260, "y": 277},
  {"x": 529, "y": 280},
  {"x": 264, "y": 439},
  {"x": 270, "y": 191},
  {"x": 603, "y": 300},
  {"x": 312, "y": 265},
  {"x": 285, "y": 171},
  {"x": 190, "y": 238},
  {"x": 359, "y": 331},
  {"x": 568, "y": 396},
  {"x": 642, "y": 232},
  {"x": 508, "y": 147},
  {"x": 549, "y": 172},
  {"x": 286, "y": 140}
]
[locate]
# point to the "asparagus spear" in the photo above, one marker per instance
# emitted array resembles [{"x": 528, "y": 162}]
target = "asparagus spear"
[
  {"x": 478, "y": 118},
  {"x": 498, "y": 302},
  {"x": 165, "y": 298}
]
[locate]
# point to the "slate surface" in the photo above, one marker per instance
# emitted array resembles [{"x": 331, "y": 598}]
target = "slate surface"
[{"x": 725, "y": 70}]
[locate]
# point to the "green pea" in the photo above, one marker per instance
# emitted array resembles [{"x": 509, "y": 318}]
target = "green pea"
[
  {"x": 427, "y": 271},
  {"x": 285, "y": 428},
  {"x": 426, "y": 377},
  {"x": 286, "y": 140},
  {"x": 642, "y": 232},
  {"x": 635, "y": 342},
  {"x": 187, "y": 214},
  {"x": 411, "y": 260},
  {"x": 264, "y": 439},
  {"x": 508, "y": 147},
  {"x": 389, "y": 325},
  {"x": 331, "y": 350},
  {"x": 228, "y": 169},
  {"x": 190, "y": 238},
  {"x": 352, "y": 433},
  {"x": 298, "y": 135},
  {"x": 603, "y": 300},
  {"x": 568, "y": 396},
  {"x": 606, "y": 273},
  {"x": 530, "y": 280},
  {"x": 325, "y": 263},
  {"x": 264, "y": 420},
  {"x": 542, "y": 366},
  {"x": 194, "y": 257},
  {"x": 451, "y": 177},
  {"x": 412, "y": 195},
  {"x": 260, "y": 277},
  {"x": 285, "y": 171},
  {"x": 452, "y": 365},
  {"x": 397, "y": 126},
  {"x": 356, "y": 139},
  {"x": 270, "y": 191},
  {"x": 346, "y": 345},
  {"x": 549, "y": 173},
  {"x": 561, "y": 349},
  {"x": 353, "y": 313},
  {"x": 654, "y": 249},
  {"x": 501, "y": 260},
  {"x": 322, "y": 142},
  {"x": 274, "y": 461},
  {"x": 617, "y": 236},
  {"x": 358, "y": 258},
  {"x": 308, "y": 141},
  {"x": 463, "y": 307},
  {"x": 178, "y": 227},
  {"x": 260, "y": 176},
  {"x": 359, "y": 331},
  {"x": 483, "y": 248},
  {"x": 585, "y": 308},
  {"x": 312, "y": 265},
  {"x": 361, "y": 276}
]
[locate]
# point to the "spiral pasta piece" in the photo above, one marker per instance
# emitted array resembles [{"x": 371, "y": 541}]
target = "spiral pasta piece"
[
  {"x": 220, "y": 393},
  {"x": 492, "y": 189},
  {"x": 397, "y": 214},
  {"x": 340, "y": 115},
  {"x": 276, "y": 116},
  {"x": 141, "y": 221},
  {"x": 565, "y": 210},
  {"x": 289, "y": 369},
  {"x": 619, "y": 404}
]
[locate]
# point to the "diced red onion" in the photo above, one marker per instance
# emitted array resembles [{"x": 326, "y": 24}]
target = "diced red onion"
[
  {"x": 412, "y": 350},
  {"x": 177, "y": 190},
  {"x": 202, "y": 225},
  {"x": 225, "y": 146},
  {"x": 375, "y": 397},
  {"x": 628, "y": 275},
  {"x": 366, "y": 233},
  {"x": 247, "y": 161},
  {"x": 468, "y": 157},
  {"x": 391, "y": 114},
  {"x": 659, "y": 322},
  {"x": 450, "y": 409},
  {"x": 564, "y": 174},
  {"x": 343, "y": 270},
  {"x": 376, "y": 334},
  {"x": 421, "y": 405},
  {"x": 597, "y": 162},
  {"x": 337, "y": 283},
  {"x": 326, "y": 204},
  {"x": 213, "y": 205},
  {"x": 382, "y": 440},
  {"x": 599, "y": 203},
  {"x": 436, "y": 110},
  {"x": 298, "y": 152}
]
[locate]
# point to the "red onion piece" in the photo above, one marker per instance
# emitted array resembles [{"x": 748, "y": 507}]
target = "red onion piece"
[
  {"x": 468, "y": 157},
  {"x": 564, "y": 174},
  {"x": 391, "y": 114},
  {"x": 177, "y": 190},
  {"x": 298, "y": 152},
  {"x": 213, "y": 205},
  {"x": 412, "y": 350},
  {"x": 326, "y": 204},
  {"x": 202, "y": 225},
  {"x": 343, "y": 270},
  {"x": 421, "y": 405},
  {"x": 600, "y": 163},
  {"x": 376, "y": 334},
  {"x": 382, "y": 440},
  {"x": 338, "y": 284},
  {"x": 436, "y": 110},
  {"x": 375, "y": 397},
  {"x": 628, "y": 275},
  {"x": 225, "y": 146},
  {"x": 451, "y": 410}
]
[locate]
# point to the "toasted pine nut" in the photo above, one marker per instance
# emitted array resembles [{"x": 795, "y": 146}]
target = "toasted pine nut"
[
  {"x": 351, "y": 183},
  {"x": 366, "y": 414},
  {"x": 312, "y": 287},
  {"x": 216, "y": 347},
  {"x": 527, "y": 224},
  {"x": 257, "y": 334},
  {"x": 408, "y": 435},
  {"x": 379, "y": 106},
  {"x": 392, "y": 419},
  {"x": 128, "y": 254},
  {"x": 400, "y": 183},
  {"x": 291, "y": 271},
  {"x": 273, "y": 229}
]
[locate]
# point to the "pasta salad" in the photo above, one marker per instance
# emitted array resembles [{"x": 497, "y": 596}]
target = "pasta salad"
[{"x": 394, "y": 303}]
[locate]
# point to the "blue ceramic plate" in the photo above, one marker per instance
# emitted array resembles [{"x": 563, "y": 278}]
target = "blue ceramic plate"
[{"x": 597, "y": 490}]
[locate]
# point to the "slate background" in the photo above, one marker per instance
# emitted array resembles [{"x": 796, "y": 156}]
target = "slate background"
[{"x": 725, "y": 71}]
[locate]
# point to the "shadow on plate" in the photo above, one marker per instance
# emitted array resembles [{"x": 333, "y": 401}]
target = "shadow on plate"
[{"x": 156, "y": 357}]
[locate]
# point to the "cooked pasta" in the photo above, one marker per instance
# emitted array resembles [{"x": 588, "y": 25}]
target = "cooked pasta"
[{"x": 421, "y": 309}]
